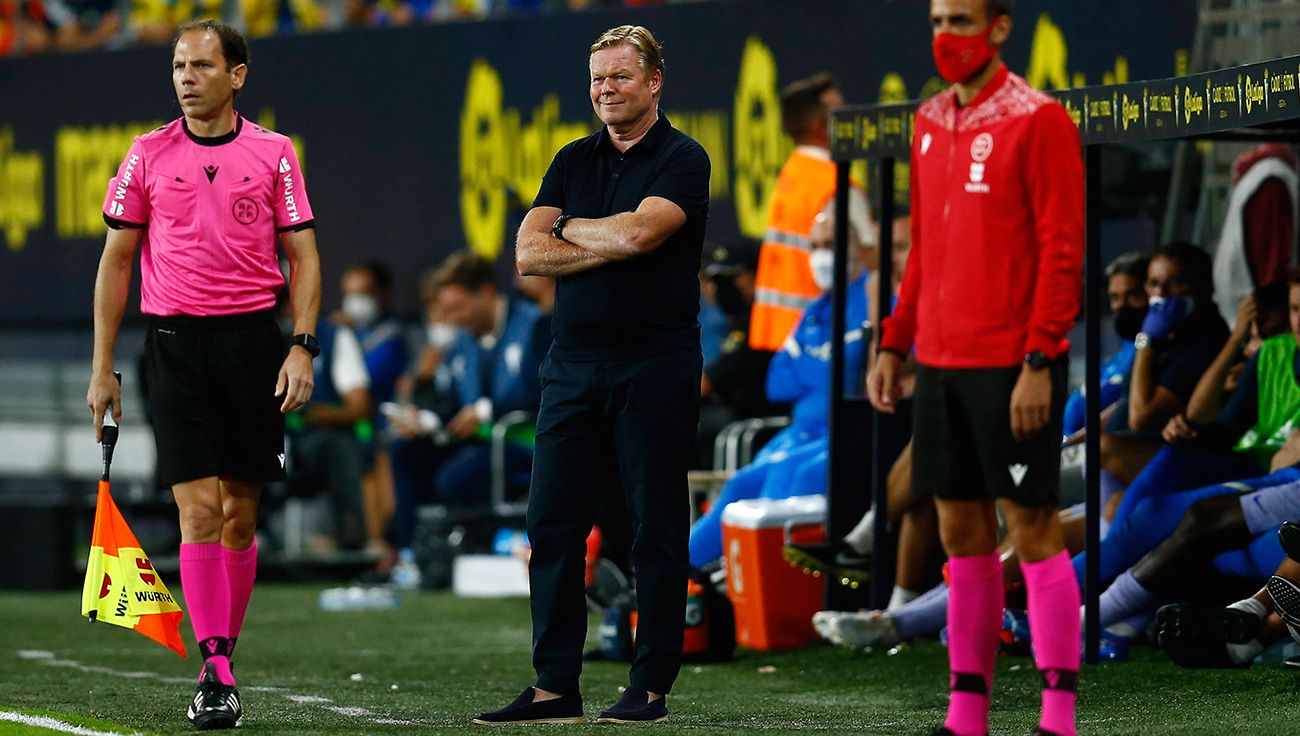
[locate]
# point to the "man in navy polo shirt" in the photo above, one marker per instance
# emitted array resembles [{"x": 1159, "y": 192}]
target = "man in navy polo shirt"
[{"x": 620, "y": 221}]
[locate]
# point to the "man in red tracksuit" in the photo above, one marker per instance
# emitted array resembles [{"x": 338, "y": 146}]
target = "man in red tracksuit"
[{"x": 990, "y": 291}]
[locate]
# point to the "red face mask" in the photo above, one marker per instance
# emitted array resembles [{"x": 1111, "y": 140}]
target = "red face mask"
[{"x": 961, "y": 57}]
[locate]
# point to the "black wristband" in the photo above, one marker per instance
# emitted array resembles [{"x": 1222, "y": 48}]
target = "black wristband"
[
  {"x": 307, "y": 342},
  {"x": 557, "y": 227},
  {"x": 1037, "y": 360}
]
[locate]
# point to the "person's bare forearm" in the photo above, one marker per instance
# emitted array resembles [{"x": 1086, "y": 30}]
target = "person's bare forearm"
[
  {"x": 1207, "y": 399},
  {"x": 1142, "y": 386},
  {"x": 541, "y": 254},
  {"x": 304, "y": 280},
  {"x": 112, "y": 284},
  {"x": 617, "y": 237}
]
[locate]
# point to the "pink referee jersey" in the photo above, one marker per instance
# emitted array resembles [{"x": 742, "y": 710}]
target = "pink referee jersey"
[{"x": 211, "y": 209}]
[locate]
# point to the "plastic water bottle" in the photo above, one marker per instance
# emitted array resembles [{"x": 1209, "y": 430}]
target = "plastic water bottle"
[
  {"x": 358, "y": 598},
  {"x": 695, "y": 639}
]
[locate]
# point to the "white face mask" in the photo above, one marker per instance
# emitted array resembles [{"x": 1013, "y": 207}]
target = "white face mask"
[
  {"x": 441, "y": 335},
  {"x": 822, "y": 261},
  {"x": 360, "y": 309}
]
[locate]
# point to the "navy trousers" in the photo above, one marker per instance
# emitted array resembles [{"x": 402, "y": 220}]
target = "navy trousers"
[{"x": 624, "y": 426}]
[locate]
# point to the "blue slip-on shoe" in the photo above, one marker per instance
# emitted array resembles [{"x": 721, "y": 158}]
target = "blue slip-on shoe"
[
  {"x": 564, "y": 709},
  {"x": 635, "y": 707}
]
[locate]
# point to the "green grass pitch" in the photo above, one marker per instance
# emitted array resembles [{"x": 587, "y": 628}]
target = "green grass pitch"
[{"x": 428, "y": 666}]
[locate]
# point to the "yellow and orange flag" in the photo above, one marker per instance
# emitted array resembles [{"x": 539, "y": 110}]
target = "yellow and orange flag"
[{"x": 121, "y": 587}]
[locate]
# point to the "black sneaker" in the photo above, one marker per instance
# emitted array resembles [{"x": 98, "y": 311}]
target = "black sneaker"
[
  {"x": 216, "y": 705},
  {"x": 635, "y": 707},
  {"x": 1289, "y": 536},
  {"x": 837, "y": 560},
  {"x": 1196, "y": 636},
  {"x": 564, "y": 709}
]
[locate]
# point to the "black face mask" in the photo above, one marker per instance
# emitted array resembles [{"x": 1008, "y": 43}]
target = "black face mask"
[
  {"x": 1128, "y": 321},
  {"x": 728, "y": 297}
]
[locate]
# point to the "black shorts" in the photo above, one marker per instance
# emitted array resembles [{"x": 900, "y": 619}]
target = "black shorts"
[
  {"x": 211, "y": 397},
  {"x": 962, "y": 444}
]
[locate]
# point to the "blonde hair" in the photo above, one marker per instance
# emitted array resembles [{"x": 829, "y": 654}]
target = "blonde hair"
[{"x": 638, "y": 37}]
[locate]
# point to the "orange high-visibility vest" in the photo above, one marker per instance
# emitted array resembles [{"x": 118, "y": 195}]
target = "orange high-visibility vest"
[{"x": 784, "y": 284}]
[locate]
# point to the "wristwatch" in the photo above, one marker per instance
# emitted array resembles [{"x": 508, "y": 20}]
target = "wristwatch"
[
  {"x": 307, "y": 342},
  {"x": 1142, "y": 341},
  {"x": 557, "y": 228},
  {"x": 1037, "y": 359}
]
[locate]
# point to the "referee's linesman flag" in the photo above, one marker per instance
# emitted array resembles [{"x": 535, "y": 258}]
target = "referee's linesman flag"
[{"x": 121, "y": 587}]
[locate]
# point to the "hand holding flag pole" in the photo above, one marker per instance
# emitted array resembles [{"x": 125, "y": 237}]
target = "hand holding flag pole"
[
  {"x": 121, "y": 586},
  {"x": 108, "y": 435}
]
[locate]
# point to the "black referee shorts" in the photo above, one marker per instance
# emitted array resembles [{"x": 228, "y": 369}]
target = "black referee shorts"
[
  {"x": 962, "y": 440},
  {"x": 212, "y": 404}
]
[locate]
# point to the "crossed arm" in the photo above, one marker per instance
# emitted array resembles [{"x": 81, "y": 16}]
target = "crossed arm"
[{"x": 589, "y": 243}]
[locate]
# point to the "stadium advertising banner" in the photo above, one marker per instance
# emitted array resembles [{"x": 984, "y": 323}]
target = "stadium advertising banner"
[
  {"x": 1253, "y": 95},
  {"x": 416, "y": 142}
]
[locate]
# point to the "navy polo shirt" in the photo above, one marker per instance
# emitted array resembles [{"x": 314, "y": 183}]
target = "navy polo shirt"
[{"x": 644, "y": 305}]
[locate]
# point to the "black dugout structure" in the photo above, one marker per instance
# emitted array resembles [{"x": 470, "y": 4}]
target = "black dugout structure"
[{"x": 1256, "y": 102}]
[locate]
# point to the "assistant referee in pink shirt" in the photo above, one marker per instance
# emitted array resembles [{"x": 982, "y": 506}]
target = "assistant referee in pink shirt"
[{"x": 207, "y": 198}]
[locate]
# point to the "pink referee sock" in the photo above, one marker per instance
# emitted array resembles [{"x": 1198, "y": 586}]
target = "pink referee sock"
[
  {"x": 207, "y": 593},
  {"x": 1054, "y": 619},
  {"x": 241, "y": 571},
  {"x": 974, "y": 619}
]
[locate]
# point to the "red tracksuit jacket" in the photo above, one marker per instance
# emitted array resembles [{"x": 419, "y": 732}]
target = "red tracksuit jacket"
[{"x": 997, "y": 230}]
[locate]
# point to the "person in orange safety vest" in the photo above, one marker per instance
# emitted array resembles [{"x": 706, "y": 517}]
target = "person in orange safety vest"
[{"x": 784, "y": 283}]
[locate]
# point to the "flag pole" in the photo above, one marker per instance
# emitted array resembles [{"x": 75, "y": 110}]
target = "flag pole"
[{"x": 108, "y": 441}]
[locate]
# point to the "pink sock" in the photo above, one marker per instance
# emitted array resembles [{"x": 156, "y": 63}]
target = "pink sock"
[
  {"x": 1054, "y": 619},
  {"x": 974, "y": 619},
  {"x": 207, "y": 594},
  {"x": 241, "y": 571}
]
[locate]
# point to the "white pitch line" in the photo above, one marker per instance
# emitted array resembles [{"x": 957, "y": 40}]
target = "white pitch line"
[
  {"x": 350, "y": 711},
  {"x": 54, "y": 724},
  {"x": 49, "y": 659}
]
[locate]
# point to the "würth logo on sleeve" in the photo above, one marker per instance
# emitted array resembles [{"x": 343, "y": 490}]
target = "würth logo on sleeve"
[
  {"x": 284, "y": 165},
  {"x": 290, "y": 206},
  {"x": 116, "y": 209},
  {"x": 125, "y": 182},
  {"x": 980, "y": 149}
]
